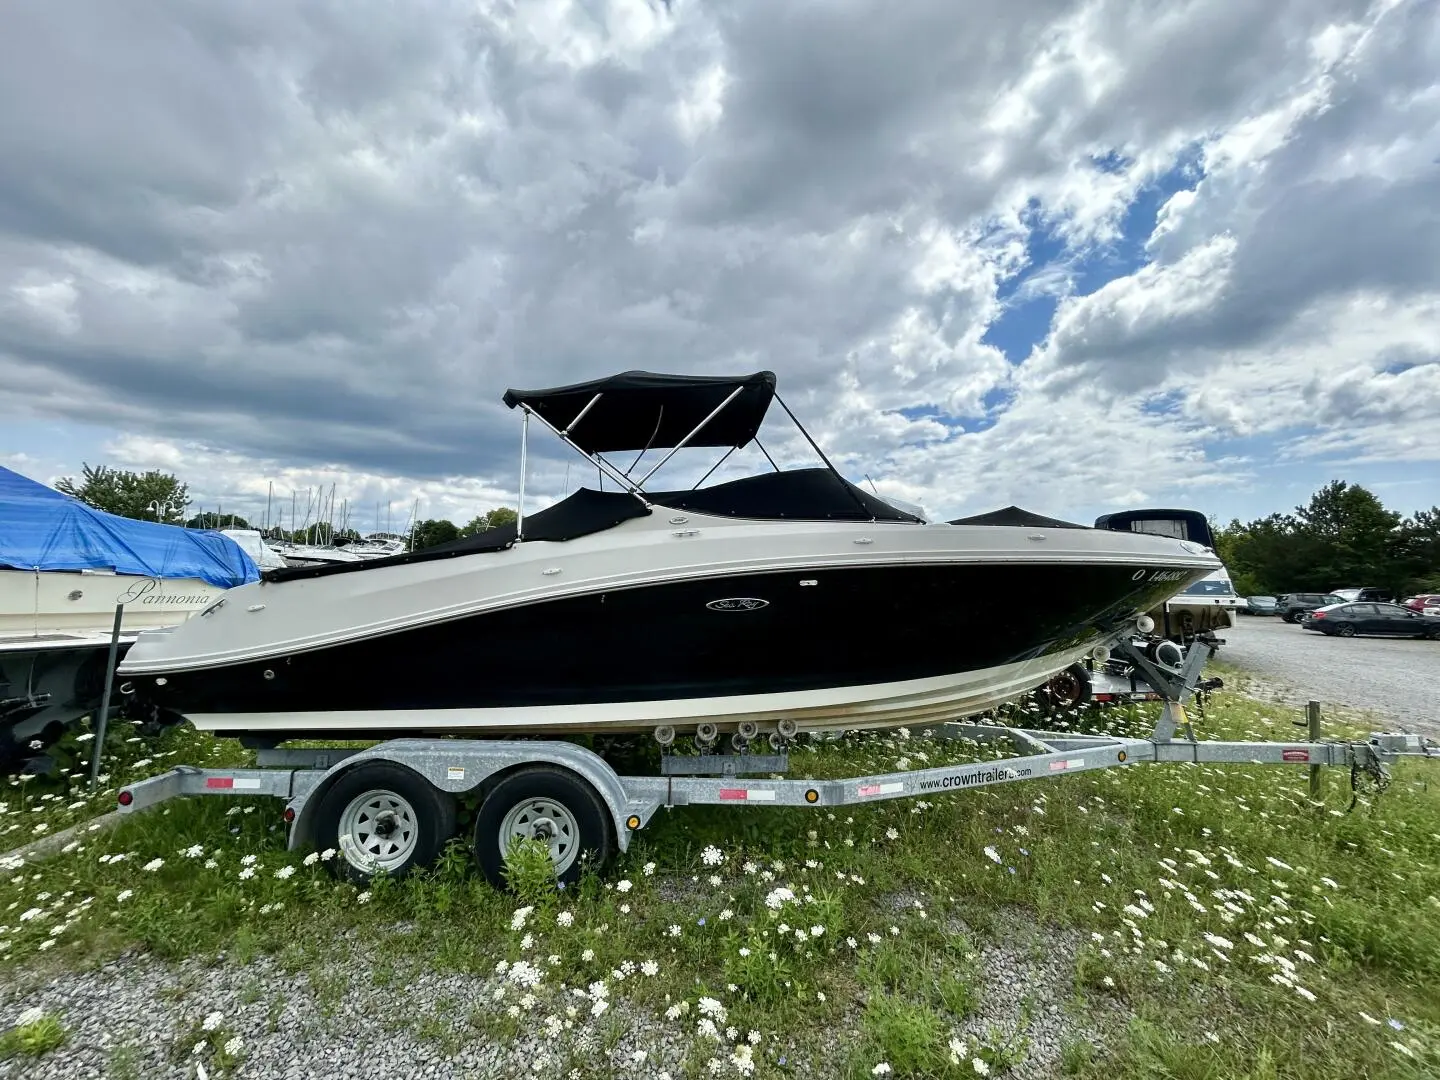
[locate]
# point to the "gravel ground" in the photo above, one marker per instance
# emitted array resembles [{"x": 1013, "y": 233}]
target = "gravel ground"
[
  {"x": 1390, "y": 678},
  {"x": 137, "y": 1017}
]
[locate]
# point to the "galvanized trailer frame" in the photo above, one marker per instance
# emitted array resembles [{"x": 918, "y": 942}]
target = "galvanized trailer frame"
[{"x": 303, "y": 777}]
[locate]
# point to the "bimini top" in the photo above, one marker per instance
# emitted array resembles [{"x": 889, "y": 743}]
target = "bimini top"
[
  {"x": 43, "y": 529},
  {"x": 639, "y": 410}
]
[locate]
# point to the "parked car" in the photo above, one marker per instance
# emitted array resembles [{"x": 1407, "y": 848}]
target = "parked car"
[
  {"x": 1377, "y": 596},
  {"x": 1260, "y": 605},
  {"x": 1293, "y": 605},
  {"x": 1381, "y": 620},
  {"x": 1425, "y": 603}
]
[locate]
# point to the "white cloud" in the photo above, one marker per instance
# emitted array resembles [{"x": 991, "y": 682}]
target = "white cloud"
[{"x": 266, "y": 244}]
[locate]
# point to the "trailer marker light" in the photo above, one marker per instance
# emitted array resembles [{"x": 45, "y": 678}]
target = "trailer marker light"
[
  {"x": 1120, "y": 756},
  {"x": 125, "y": 798},
  {"x": 632, "y": 822},
  {"x": 289, "y": 814},
  {"x": 812, "y": 796}
]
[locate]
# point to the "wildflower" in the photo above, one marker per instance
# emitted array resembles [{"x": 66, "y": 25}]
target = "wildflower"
[
  {"x": 588, "y": 955},
  {"x": 650, "y": 968},
  {"x": 327, "y": 854},
  {"x": 247, "y": 873},
  {"x": 248, "y": 860},
  {"x": 285, "y": 872},
  {"x": 1306, "y": 994},
  {"x": 712, "y": 856},
  {"x": 673, "y": 931},
  {"x": 233, "y": 1046},
  {"x": 1369, "y": 1019},
  {"x": 753, "y": 1038},
  {"x": 153, "y": 865},
  {"x": 565, "y": 918},
  {"x": 123, "y": 895},
  {"x": 624, "y": 885},
  {"x": 363, "y": 898},
  {"x": 527, "y": 942},
  {"x": 882, "y": 1069},
  {"x": 649, "y": 869},
  {"x": 992, "y": 854},
  {"x": 816, "y": 931},
  {"x": 312, "y": 858},
  {"x": 212, "y": 1021},
  {"x": 714, "y": 880},
  {"x": 517, "y": 921},
  {"x": 211, "y": 864},
  {"x": 194, "y": 851},
  {"x": 726, "y": 915},
  {"x": 891, "y": 834},
  {"x": 980, "y": 1067}
]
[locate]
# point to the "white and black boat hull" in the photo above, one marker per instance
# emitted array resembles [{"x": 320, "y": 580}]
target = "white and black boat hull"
[{"x": 874, "y": 644}]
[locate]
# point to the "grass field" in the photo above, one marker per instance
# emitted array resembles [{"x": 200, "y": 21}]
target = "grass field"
[{"x": 1208, "y": 921}]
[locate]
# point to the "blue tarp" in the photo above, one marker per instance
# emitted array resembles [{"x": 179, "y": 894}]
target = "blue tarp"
[{"x": 45, "y": 529}]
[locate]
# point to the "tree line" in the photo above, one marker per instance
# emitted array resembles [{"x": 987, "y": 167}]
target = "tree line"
[
  {"x": 161, "y": 496},
  {"x": 1344, "y": 537}
]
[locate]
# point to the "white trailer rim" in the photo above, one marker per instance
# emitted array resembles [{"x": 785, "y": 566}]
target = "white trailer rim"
[
  {"x": 378, "y": 831},
  {"x": 543, "y": 819}
]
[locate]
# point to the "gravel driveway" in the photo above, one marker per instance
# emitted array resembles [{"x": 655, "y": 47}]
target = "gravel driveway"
[{"x": 1395, "y": 679}]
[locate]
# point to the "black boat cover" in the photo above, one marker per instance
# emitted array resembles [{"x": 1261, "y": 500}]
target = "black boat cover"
[
  {"x": 795, "y": 495},
  {"x": 1013, "y": 515},
  {"x": 586, "y": 511},
  {"x": 1181, "y": 524},
  {"x": 639, "y": 409}
]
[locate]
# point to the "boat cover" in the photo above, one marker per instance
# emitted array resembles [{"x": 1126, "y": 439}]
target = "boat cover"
[
  {"x": 1013, "y": 515},
  {"x": 586, "y": 511},
  {"x": 794, "y": 495},
  {"x": 639, "y": 410},
  {"x": 43, "y": 529}
]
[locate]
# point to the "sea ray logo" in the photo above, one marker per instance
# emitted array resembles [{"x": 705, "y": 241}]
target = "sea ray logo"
[{"x": 738, "y": 603}]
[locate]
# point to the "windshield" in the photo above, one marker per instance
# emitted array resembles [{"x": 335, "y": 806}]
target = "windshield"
[{"x": 1210, "y": 587}]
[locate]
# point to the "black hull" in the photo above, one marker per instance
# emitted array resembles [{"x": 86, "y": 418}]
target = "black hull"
[
  {"x": 846, "y": 627},
  {"x": 44, "y": 692}
]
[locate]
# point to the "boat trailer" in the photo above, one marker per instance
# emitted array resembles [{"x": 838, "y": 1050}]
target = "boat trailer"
[{"x": 392, "y": 807}]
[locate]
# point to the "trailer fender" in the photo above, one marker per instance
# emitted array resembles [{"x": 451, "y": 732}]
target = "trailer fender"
[{"x": 459, "y": 768}]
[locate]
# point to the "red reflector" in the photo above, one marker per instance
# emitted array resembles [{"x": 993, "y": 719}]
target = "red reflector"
[
  {"x": 289, "y": 814},
  {"x": 728, "y": 794},
  {"x": 125, "y": 798},
  {"x": 220, "y": 782}
]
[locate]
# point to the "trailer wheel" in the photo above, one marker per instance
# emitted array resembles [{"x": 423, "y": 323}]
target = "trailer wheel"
[
  {"x": 548, "y": 803},
  {"x": 1071, "y": 688},
  {"x": 383, "y": 818}
]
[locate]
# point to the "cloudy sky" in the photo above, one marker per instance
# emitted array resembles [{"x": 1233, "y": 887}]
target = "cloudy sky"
[{"x": 1077, "y": 256}]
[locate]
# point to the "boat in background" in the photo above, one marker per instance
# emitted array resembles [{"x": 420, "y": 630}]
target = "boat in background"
[
  {"x": 64, "y": 567},
  {"x": 757, "y": 607}
]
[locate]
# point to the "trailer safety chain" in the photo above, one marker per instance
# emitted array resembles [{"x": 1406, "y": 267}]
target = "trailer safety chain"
[{"x": 1371, "y": 767}]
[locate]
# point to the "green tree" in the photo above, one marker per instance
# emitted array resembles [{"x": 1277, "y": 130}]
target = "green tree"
[
  {"x": 491, "y": 519},
  {"x": 1349, "y": 538},
  {"x": 210, "y": 520},
  {"x": 434, "y": 531},
  {"x": 148, "y": 496}
]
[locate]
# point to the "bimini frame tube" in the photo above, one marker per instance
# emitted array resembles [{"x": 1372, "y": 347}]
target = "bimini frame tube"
[
  {"x": 594, "y": 459},
  {"x": 520, "y": 503},
  {"x": 696, "y": 431}
]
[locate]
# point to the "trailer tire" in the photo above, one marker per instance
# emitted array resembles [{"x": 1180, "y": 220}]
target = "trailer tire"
[
  {"x": 385, "y": 811},
  {"x": 1071, "y": 688},
  {"x": 541, "y": 799}
]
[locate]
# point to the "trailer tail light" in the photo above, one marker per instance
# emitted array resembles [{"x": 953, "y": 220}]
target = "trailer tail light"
[
  {"x": 289, "y": 814},
  {"x": 125, "y": 798}
]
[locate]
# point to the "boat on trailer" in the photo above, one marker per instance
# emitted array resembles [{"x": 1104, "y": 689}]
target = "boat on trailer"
[{"x": 758, "y": 607}]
